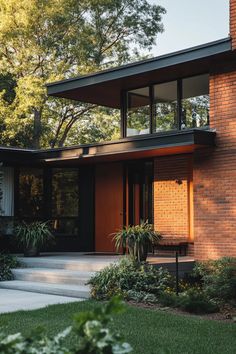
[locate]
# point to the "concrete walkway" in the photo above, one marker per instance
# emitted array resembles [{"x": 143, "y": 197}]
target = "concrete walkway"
[{"x": 15, "y": 300}]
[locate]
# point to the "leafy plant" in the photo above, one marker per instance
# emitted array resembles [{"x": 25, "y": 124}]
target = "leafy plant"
[
  {"x": 196, "y": 301},
  {"x": 7, "y": 262},
  {"x": 191, "y": 300},
  {"x": 95, "y": 337},
  {"x": 32, "y": 237},
  {"x": 134, "y": 281},
  {"x": 89, "y": 327},
  {"x": 218, "y": 278},
  {"x": 138, "y": 239}
]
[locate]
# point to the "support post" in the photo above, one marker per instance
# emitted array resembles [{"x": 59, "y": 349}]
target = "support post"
[{"x": 177, "y": 273}]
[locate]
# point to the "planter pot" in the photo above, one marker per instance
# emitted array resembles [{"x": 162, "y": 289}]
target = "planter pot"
[
  {"x": 31, "y": 251},
  {"x": 138, "y": 253}
]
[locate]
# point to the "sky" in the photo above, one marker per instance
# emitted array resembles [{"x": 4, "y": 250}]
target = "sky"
[{"x": 191, "y": 22}]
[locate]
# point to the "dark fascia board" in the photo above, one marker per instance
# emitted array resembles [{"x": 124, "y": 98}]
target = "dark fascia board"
[
  {"x": 16, "y": 149},
  {"x": 13, "y": 155},
  {"x": 179, "y": 57},
  {"x": 196, "y": 137},
  {"x": 137, "y": 143}
]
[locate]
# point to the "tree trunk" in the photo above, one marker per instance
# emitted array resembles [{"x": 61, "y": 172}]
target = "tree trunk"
[{"x": 37, "y": 129}]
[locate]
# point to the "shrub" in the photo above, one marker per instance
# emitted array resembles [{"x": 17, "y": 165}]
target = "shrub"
[
  {"x": 89, "y": 327},
  {"x": 195, "y": 301},
  {"x": 134, "y": 281},
  {"x": 168, "y": 298},
  {"x": 218, "y": 278},
  {"x": 7, "y": 262},
  {"x": 192, "y": 300}
]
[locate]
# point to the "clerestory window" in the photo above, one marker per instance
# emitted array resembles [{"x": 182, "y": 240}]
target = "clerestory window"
[{"x": 175, "y": 105}]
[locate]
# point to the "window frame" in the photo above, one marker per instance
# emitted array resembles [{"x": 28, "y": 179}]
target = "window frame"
[{"x": 124, "y": 106}]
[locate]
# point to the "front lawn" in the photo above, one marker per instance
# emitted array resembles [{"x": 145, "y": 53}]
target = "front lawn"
[{"x": 146, "y": 330}]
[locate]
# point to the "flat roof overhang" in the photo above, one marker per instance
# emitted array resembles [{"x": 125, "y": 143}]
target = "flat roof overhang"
[
  {"x": 103, "y": 88},
  {"x": 12, "y": 155},
  {"x": 170, "y": 143}
]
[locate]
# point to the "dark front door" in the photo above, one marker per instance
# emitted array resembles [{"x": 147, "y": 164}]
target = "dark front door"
[
  {"x": 108, "y": 204},
  {"x": 140, "y": 192}
]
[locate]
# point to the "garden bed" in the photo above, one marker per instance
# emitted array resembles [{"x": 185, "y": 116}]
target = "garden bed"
[{"x": 228, "y": 314}]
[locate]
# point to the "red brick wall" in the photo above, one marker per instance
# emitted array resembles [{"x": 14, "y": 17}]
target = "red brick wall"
[
  {"x": 171, "y": 199},
  {"x": 214, "y": 176},
  {"x": 233, "y": 22}
]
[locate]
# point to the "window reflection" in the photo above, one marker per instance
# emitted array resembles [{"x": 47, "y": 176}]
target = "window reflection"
[
  {"x": 180, "y": 104},
  {"x": 64, "y": 192},
  {"x": 138, "y": 112},
  {"x": 31, "y": 192},
  {"x": 65, "y": 201},
  {"x": 195, "y": 102},
  {"x": 165, "y": 107}
]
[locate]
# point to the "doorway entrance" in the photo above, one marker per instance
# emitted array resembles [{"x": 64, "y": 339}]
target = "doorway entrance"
[{"x": 140, "y": 192}]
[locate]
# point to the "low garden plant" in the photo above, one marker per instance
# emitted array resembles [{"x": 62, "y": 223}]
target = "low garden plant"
[
  {"x": 7, "y": 263},
  {"x": 211, "y": 285},
  {"x": 90, "y": 330},
  {"x": 218, "y": 279},
  {"x": 135, "y": 281}
]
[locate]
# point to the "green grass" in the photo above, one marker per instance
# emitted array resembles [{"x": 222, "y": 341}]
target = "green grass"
[{"x": 146, "y": 330}]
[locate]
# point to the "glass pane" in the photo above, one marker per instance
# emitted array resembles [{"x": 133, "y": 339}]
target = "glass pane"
[
  {"x": 165, "y": 107},
  {"x": 195, "y": 102},
  {"x": 31, "y": 192},
  {"x": 64, "y": 192},
  {"x": 138, "y": 112},
  {"x": 65, "y": 226}
]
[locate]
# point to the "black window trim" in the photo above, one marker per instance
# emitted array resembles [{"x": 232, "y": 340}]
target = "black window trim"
[{"x": 124, "y": 101}]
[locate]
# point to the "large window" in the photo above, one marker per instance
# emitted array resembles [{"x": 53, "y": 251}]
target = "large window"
[
  {"x": 138, "y": 112},
  {"x": 195, "y": 102},
  {"x": 165, "y": 107},
  {"x": 65, "y": 201},
  {"x": 174, "y": 105},
  {"x": 31, "y": 193},
  {"x": 51, "y": 195}
]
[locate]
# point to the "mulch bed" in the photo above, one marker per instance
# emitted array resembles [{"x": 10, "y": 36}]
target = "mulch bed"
[{"x": 226, "y": 314}]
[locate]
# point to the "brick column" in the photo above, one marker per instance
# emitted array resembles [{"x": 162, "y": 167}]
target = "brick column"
[
  {"x": 233, "y": 22},
  {"x": 214, "y": 176},
  {"x": 172, "y": 182}
]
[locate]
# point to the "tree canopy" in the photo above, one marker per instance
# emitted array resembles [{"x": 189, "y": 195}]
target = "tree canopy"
[{"x": 43, "y": 41}]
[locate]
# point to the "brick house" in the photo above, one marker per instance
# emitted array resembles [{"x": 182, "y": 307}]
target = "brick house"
[{"x": 174, "y": 164}]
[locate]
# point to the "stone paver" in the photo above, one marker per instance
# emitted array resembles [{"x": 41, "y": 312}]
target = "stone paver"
[{"x": 15, "y": 300}]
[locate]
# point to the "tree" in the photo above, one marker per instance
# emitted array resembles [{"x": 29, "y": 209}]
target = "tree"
[{"x": 46, "y": 40}]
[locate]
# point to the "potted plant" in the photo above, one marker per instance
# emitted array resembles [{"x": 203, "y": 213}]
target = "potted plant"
[
  {"x": 137, "y": 239},
  {"x": 33, "y": 236}
]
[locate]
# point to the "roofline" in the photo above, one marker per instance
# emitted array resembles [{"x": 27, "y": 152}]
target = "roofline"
[
  {"x": 111, "y": 142},
  {"x": 194, "y": 53},
  {"x": 16, "y": 149}
]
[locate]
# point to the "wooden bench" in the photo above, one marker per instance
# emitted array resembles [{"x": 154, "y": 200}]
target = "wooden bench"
[{"x": 180, "y": 246}]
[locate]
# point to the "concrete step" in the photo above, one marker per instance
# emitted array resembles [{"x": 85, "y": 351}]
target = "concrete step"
[
  {"x": 78, "y": 291},
  {"x": 54, "y": 276},
  {"x": 89, "y": 264}
]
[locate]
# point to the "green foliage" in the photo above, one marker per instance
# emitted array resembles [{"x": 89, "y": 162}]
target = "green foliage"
[
  {"x": 7, "y": 262},
  {"x": 218, "y": 278},
  {"x": 192, "y": 300},
  {"x": 33, "y": 235},
  {"x": 96, "y": 338},
  {"x": 89, "y": 327},
  {"x": 134, "y": 281},
  {"x": 196, "y": 301},
  {"x": 138, "y": 239},
  {"x": 44, "y": 41}
]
